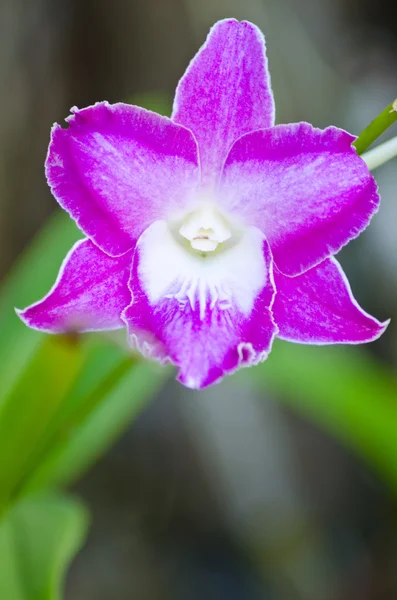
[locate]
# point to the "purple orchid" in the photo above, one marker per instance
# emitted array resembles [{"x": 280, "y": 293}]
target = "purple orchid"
[{"x": 210, "y": 233}]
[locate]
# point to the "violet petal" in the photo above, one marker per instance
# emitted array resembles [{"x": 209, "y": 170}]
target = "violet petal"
[
  {"x": 305, "y": 188},
  {"x": 318, "y": 307},
  {"x": 118, "y": 168},
  {"x": 89, "y": 294},
  {"x": 225, "y": 91}
]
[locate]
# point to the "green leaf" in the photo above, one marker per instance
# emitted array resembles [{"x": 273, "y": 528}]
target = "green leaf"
[
  {"x": 27, "y": 411},
  {"x": 31, "y": 278},
  {"x": 344, "y": 390},
  {"x": 38, "y": 539},
  {"x": 383, "y": 121},
  {"x": 98, "y": 409},
  {"x": 73, "y": 401}
]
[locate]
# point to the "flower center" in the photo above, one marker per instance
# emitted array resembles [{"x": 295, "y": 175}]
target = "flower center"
[{"x": 205, "y": 229}]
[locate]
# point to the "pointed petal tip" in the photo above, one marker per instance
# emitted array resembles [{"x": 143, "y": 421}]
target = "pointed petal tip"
[
  {"x": 319, "y": 308},
  {"x": 190, "y": 382},
  {"x": 201, "y": 383},
  {"x": 23, "y": 315},
  {"x": 27, "y": 316},
  {"x": 379, "y": 329},
  {"x": 20, "y": 312},
  {"x": 247, "y": 357},
  {"x": 374, "y": 330},
  {"x": 233, "y": 22},
  {"x": 226, "y": 22},
  {"x": 89, "y": 293}
]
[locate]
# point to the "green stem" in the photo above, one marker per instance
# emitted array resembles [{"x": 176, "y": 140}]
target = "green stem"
[
  {"x": 387, "y": 117},
  {"x": 381, "y": 154}
]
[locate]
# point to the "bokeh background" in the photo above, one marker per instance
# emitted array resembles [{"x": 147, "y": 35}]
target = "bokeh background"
[{"x": 280, "y": 483}]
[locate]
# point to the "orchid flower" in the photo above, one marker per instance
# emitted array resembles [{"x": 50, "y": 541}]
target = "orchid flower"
[{"x": 211, "y": 232}]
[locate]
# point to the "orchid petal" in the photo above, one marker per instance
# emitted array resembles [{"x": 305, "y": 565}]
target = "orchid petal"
[
  {"x": 118, "y": 168},
  {"x": 225, "y": 91},
  {"x": 89, "y": 294},
  {"x": 208, "y": 316},
  {"x": 318, "y": 307},
  {"x": 305, "y": 188}
]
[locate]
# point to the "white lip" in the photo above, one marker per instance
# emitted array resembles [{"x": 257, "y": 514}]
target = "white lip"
[{"x": 233, "y": 277}]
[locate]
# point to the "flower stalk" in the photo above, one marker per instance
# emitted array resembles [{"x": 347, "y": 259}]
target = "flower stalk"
[
  {"x": 381, "y": 154},
  {"x": 383, "y": 121}
]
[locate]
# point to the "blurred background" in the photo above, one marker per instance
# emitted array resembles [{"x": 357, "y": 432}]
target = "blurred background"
[{"x": 280, "y": 483}]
